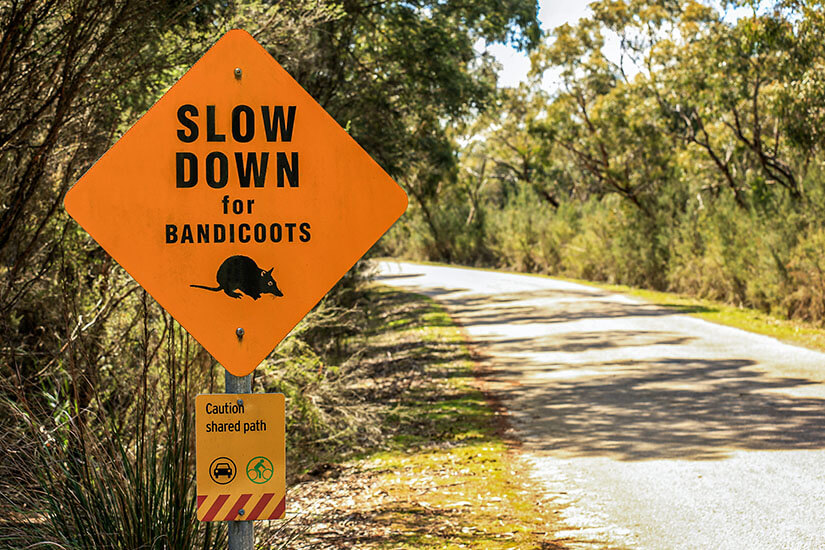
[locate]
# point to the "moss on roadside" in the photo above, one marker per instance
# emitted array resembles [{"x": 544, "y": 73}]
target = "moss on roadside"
[
  {"x": 446, "y": 476},
  {"x": 451, "y": 474}
]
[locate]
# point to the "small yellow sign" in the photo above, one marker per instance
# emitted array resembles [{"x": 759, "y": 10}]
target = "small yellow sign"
[{"x": 240, "y": 456}]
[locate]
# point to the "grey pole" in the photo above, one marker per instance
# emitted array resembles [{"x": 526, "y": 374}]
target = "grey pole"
[{"x": 241, "y": 533}]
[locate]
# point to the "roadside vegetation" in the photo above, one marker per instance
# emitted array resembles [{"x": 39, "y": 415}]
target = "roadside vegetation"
[
  {"x": 97, "y": 381},
  {"x": 442, "y": 476},
  {"x": 691, "y": 163}
]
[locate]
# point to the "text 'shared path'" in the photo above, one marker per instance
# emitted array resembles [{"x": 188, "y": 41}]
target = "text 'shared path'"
[{"x": 237, "y": 202}]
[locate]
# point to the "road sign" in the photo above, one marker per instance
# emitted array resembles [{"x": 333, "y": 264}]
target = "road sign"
[
  {"x": 240, "y": 456},
  {"x": 237, "y": 202}
]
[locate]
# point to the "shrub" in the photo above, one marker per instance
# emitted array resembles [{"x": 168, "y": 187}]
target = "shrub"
[{"x": 806, "y": 271}]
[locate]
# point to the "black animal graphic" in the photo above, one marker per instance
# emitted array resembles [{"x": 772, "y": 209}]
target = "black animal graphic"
[{"x": 242, "y": 273}]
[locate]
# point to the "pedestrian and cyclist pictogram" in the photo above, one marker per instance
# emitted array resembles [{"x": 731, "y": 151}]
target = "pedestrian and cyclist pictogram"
[{"x": 259, "y": 470}]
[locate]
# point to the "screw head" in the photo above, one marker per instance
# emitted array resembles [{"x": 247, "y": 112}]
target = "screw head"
[
  {"x": 240, "y": 401},
  {"x": 241, "y": 512},
  {"x": 238, "y": 72},
  {"x": 240, "y": 332}
]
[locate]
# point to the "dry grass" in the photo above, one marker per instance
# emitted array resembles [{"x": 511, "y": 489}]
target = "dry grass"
[{"x": 444, "y": 477}]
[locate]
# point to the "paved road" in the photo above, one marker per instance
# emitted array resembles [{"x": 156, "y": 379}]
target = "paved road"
[{"x": 651, "y": 430}]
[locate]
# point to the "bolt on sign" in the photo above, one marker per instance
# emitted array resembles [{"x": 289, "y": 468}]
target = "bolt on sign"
[
  {"x": 237, "y": 202},
  {"x": 240, "y": 458}
]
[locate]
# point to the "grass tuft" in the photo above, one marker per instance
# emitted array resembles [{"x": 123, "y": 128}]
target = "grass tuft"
[{"x": 444, "y": 478}]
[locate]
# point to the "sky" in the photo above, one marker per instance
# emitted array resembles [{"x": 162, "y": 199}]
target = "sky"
[{"x": 553, "y": 13}]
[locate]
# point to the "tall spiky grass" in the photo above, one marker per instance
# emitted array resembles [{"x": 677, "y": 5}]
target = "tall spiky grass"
[
  {"x": 98, "y": 482},
  {"x": 92, "y": 483}
]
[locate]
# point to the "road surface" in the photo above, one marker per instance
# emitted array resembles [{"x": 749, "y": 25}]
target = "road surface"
[{"x": 649, "y": 429}]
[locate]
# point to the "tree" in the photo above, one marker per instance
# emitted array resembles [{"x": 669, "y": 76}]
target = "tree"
[{"x": 398, "y": 74}]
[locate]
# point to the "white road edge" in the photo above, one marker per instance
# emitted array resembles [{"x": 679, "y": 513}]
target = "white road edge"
[{"x": 649, "y": 429}]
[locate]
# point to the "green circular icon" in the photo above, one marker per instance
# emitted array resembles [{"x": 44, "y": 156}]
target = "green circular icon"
[{"x": 259, "y": 469}]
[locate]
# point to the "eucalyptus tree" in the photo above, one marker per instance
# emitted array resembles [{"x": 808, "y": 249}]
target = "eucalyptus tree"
[{"x": 398, "y": 75}]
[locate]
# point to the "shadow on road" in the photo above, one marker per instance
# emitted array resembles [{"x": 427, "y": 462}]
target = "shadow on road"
[
  {"x": 690, "y": 409},
  {"x": 578, "y": 342},
  {"x": 667, "y": 404},
  {"x": 396, "y": 276}
]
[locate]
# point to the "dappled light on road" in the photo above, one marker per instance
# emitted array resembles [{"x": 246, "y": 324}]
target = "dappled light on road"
[{"x": 642, "y": 422}]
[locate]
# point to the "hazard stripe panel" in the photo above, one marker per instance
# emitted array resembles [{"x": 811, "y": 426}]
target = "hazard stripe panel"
[
  {"x": 278, "y": 513},
  {"x": 233, "y": 512},
  {"x": 256, "y": 511},
  {"x": 213, "y": 511},
  {"x": 228, "y": 507}
]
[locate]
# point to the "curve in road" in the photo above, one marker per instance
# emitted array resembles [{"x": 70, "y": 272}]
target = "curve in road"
[{"x": 649, "y": 429}]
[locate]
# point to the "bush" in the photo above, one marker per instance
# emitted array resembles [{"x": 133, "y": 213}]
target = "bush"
[
  {"x": 96, "y": 482},
  {"x": 527, "y": 235},
  {"x": 806, "y": 286}
]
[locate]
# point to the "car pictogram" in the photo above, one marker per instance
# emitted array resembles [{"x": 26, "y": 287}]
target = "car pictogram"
[{"x": 222, "y": 470}]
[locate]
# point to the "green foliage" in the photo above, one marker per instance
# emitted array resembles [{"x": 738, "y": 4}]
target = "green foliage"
[
  {"x": 93, "y": 480},
  {"x": 81, "y": 347},
  {"x": 530, "y": 236},
  {"x": 806, "y": 274},
  {"x": 399, "y": 74},
  {"x": 691, "y": 163}
]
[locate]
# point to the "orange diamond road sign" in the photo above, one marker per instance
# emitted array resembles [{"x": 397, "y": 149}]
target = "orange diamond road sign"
[
  {"x": 237, "y": 202},
  {"x": 240, "y": 456}
]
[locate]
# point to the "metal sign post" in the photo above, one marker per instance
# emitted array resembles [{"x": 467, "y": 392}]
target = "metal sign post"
[{"x": 241, "y": 533}]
